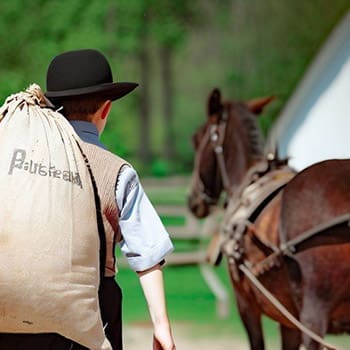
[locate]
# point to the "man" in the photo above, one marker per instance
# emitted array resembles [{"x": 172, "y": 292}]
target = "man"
[{"x": 80, "y": 84}]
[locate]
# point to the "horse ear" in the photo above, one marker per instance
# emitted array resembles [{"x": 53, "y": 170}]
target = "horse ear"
[
  {"x": 214, "y": 102},
  {"x": 257, "y": 105}
]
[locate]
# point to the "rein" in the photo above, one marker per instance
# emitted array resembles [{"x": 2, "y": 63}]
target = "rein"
[
  {"x": 204, "y": 196},
  {"x": 217, "y": 137},
  {"x": 277, "y": 304}
]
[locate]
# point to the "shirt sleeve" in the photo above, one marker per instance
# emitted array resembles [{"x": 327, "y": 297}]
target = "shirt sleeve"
[{"x": 145, "y": 241}]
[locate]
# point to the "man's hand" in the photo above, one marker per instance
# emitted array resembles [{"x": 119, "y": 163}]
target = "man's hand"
[{"x": 158, "y": 346}]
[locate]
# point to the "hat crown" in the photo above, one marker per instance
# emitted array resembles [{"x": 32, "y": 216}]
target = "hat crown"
[
  {"x": 79, "y": 73},
  {"x": 78, "y": 69}
]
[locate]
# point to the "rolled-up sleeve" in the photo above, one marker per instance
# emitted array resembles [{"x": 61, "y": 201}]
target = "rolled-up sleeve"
[{"x": 145, "y": 241}]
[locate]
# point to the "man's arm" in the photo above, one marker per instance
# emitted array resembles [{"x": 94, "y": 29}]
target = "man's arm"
[
  {"x": 152, "y": 285},
  {"x": 145, "y": 245}
]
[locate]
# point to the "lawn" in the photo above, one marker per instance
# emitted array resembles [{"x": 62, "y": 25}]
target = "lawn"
[{"x": 188, "y": 298}]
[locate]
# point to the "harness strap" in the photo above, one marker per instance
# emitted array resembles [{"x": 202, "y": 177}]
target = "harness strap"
[
  {"x": 276, "y": 303},
  {"x": 205, "y": 197},
  {"x": 292, "y": 245},
  {"x": 224, "y": 177},
  {"x": 217, "y": 136}
]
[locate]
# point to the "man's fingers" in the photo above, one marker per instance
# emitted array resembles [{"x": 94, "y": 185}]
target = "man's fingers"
[{"x": 156, "y": 344}]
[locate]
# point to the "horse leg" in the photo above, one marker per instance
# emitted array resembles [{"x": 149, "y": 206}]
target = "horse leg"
[
  {"x": 290, "y": 338},
  {"x": 314, "y": 316},
  {"x": 251, "y": 318}
]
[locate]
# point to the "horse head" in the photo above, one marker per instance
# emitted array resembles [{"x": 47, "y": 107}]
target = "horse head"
[{"x": 225, "y": 146}]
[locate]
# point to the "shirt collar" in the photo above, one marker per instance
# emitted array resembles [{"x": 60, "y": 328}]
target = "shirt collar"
[{"x": 87, "y": 131}]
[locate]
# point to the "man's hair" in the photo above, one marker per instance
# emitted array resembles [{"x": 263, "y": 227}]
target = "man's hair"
[{"x": 80, "y": 108}]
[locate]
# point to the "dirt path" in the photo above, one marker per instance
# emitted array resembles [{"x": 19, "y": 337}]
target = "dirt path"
[
  {"x": 139, "y": 337},
  {"x": 187, "y": 337}
]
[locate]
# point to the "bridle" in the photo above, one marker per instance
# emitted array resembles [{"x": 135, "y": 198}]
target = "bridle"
[{"x": 215, "y": 134}]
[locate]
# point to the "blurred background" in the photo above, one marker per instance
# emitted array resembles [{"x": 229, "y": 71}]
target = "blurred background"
[{"x": 178, "y": 51}]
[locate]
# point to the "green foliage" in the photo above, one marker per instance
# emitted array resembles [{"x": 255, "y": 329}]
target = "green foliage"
[
  {"x": 246, "y": 48},
  {"x": 130, "y": 26},
  {"x": 172, "y": 19},
  {"x": 160, "y": 168},
  {"x": 121, "y": 124}
]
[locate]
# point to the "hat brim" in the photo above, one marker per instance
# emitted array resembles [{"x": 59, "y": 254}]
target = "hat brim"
[{"x": 111, "y": 91}]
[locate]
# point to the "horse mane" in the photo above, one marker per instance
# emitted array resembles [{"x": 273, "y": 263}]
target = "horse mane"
[{"x": 253, "y": 131}]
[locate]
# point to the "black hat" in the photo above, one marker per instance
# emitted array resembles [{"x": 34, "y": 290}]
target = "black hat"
[{"x": 83, "y": 72}]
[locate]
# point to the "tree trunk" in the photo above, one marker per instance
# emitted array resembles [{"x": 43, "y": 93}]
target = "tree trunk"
[
  {"x": 166, "y": 54},
  {"x": 144, "y": 106},
  {"x": 111, "y": 27}
]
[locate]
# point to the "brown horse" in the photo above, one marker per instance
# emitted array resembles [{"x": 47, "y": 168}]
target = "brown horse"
[{"x": 304, "y": 218}]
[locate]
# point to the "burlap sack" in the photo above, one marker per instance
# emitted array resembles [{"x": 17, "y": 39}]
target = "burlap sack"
[{"x": 49, "y": 244}]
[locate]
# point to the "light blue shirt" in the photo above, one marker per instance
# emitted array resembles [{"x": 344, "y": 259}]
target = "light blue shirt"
[{"x": 145, "y": 240}]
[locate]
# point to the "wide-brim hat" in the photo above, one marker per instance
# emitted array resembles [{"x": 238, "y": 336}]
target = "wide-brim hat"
[{"x": 83, "y": 72}]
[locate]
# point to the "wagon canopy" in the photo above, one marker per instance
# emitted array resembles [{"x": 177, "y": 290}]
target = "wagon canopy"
[{"x": 315, "y": 123}]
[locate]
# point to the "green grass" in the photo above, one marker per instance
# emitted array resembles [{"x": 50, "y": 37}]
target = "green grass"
[
  {"x": 189, "y": 300},
  {"x": 188, "y": 297},
  {"x": 174, "y": 195},
  {"x": 173, "y": 220}
]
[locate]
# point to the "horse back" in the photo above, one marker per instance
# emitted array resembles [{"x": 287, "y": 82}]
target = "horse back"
[{"x": 315, "y": 196}]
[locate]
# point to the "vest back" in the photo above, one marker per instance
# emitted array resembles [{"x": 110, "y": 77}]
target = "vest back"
[{"x": 105, "y": 168}]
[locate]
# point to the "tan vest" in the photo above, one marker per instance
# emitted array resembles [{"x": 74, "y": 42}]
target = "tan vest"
[{"x": 105, "y": 167}]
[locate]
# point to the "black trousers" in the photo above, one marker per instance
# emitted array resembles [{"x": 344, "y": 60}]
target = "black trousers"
[{"x": 111, "y": 312}]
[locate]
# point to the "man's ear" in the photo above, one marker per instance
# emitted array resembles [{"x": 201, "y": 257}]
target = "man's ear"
[{"x": 105, "y": 109}]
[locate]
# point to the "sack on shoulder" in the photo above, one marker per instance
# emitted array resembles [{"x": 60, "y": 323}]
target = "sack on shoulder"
[{"x": 49, "y": 243}]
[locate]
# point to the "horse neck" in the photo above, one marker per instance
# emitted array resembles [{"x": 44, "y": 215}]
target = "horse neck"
[{"x": 240, "y": 157}]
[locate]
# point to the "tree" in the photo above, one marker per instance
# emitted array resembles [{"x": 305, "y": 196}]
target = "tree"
[
  {"x": 171, "y": 21},
  {"x": 132, "y": 37}
]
